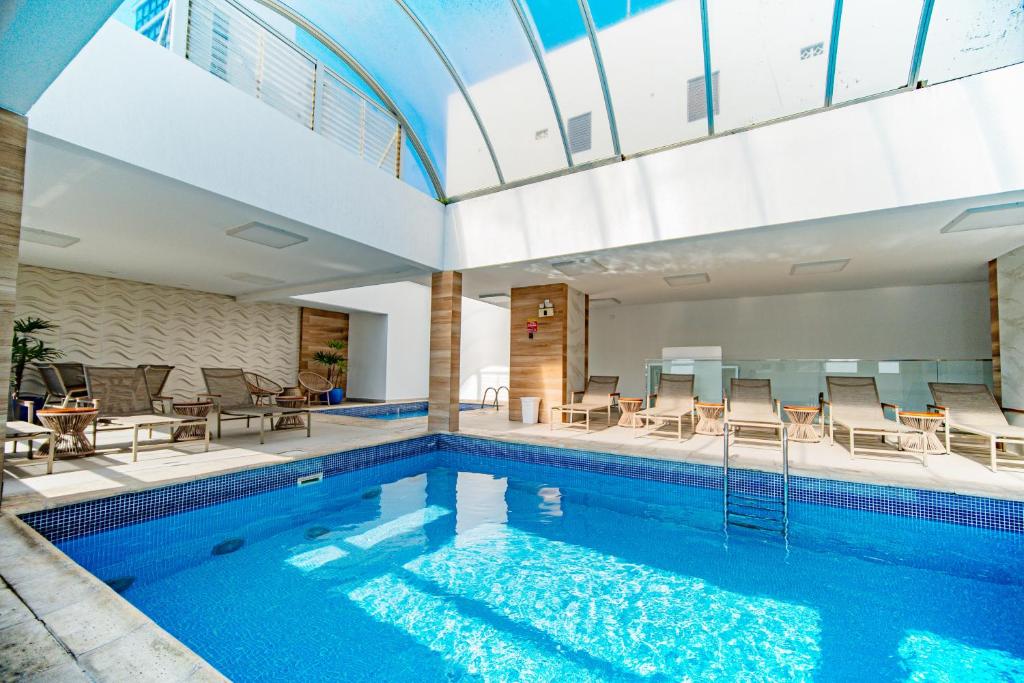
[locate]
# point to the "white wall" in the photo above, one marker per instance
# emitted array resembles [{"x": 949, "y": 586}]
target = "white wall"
[
  {"x": 137, "y": 102},
  {"x": 954, "y": 140},
  {"x": 367, "y": 368},
  {"x": 1010, "y": 281},
  {"x": 406, "y": 351},
  {"x": 937, "y": 321}
]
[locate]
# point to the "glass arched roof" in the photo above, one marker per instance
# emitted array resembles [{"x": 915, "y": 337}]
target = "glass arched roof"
[{"x": 499, "y": 91}]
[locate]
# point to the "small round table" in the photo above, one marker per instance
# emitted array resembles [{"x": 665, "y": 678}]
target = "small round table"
[
  {"x": 709, "y": 419},
  {"x": 801, "y": 423},
  {"x": 191, "y": 409},
  {"x": 926, "y": 441},
  {"x": 295, "y": 420},
  {"x": 628, "y": 408},
  {"x": 69, "y": 425}
]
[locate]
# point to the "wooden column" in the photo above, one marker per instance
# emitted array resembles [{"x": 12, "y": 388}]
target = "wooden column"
[
  {"x": 445, "y": 338},
  {"x": 13, "y": 136},
  {"x": 993, "y": 308},
  {"x": 316, "y": 328}
]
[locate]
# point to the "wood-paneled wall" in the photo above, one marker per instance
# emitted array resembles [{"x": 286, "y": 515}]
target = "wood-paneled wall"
[
  {"x": 445, "y": 353},
  {"x": 316, "y": 328},
  {"x": 541, "y": 366},
  {"x": 993, "y": 307},
  {"x": 13, "y": 137}
]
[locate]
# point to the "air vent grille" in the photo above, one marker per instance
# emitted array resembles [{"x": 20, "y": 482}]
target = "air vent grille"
[
  {"x": 580, "y": 133},
  {"x": 696, "y": 98}
]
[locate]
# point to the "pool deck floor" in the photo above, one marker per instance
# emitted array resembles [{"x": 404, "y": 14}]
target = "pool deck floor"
[{"x": 59, "y": 623}]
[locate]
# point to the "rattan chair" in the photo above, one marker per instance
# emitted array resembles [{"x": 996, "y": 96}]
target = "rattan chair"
[
  {"x": 314, "y": 385},
  {"x": 750, "y": 404},
  {"x": 971, "y": 409},
  {"x": 263, "y": 389},
  {"x": 599, "y": 395},
  {"x": 122, "y": 400},
  {"x": 673, "y": 401},
  {"x": 233, "y": 400}
]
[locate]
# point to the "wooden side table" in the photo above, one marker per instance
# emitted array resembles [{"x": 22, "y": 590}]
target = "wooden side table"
[
  {"x": 925, "y": 440},
  {"x": 709, "y": 418},
  {"x": 191, "y": 409},
  {"x": 294, "y": 421},
  {"x": 628, "y": 408},
  {"x": 801, "y": 423},
  {"x": 69, "y": 425}
]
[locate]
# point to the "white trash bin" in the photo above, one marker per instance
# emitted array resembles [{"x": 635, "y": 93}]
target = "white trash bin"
[{"x": 531, "y": 406}]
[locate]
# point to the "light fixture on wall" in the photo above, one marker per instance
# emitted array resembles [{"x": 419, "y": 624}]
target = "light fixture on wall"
[
  {"x": 584, "y": 265},
  {"x": 253, "y": 279},
  {"x": 687, "y": 280},
  {"x": 819, "y": 267},
  {"x": 546, "y": 309},
  {"x": 984, "y": 217},
  {"x": 266, "y": 235},
  {"x": 50, "y": 239}
]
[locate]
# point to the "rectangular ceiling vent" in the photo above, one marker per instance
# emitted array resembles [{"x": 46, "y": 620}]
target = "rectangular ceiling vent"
[
  {"x": 605, "y": 301},
  {"x": 984, "y": 217},
  {"x": 50, "y": 239},
  {"x": 266, "y": 235},
  {"x": 687, "y": 280},
  {"x": 253, "y": 279},
  {"x": 696, "y": 98},
  {"x": 579, "y": 266},
  {"x": 819, "y": 267},
  {"x": 580, "y": 133},
  {"x": 495, "y": 298}
]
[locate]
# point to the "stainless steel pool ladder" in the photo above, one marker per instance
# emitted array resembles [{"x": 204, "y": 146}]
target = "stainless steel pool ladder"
[
  {"x": 752, "y": 511},
  {"x": 497, "y": 391}
]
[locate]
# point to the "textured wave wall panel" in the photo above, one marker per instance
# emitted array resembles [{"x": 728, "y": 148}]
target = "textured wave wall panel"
[{"x": 106, "y": 321}]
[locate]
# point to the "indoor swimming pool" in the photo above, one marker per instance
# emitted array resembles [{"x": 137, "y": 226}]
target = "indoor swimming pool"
[{"x": 450, "y": 558}]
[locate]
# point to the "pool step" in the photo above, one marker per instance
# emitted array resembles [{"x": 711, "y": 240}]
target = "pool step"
[{"x": 754, "y": 511}]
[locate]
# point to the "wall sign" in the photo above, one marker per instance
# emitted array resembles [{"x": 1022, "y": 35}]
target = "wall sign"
[{"x": 532, "y": 326}]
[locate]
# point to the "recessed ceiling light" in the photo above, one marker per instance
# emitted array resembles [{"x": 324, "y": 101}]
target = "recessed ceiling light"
[
  {"x": 253, "y": 279},
  {"x": 817, "y": 267},
  {"x": 579, "y": 266},
  {"x": 687, "y": 280},
  {"x": 50, "y": 239},
  {"x": 495, "y": 297},
  {"x": 266, "y": 235},
  {"x": 984, "y": 217}
]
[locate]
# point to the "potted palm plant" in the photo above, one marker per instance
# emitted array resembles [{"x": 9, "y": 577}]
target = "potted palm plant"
[
  {"x": 333, "y": 358},
  {"x": 27, "y": 348}
]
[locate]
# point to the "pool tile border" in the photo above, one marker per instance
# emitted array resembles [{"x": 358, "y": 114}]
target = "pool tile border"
[
  {"x": 379, "y": 409},
  {"x": 80, "y": 519}
]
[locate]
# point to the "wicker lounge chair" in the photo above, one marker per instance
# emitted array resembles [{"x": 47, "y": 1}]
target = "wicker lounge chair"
[
  {"x": 123, "y": 401},
  {"x": 57, "y": 390},
  {"x": 853, "y": 404},
  {"x": 599, "y": 395},
  {"x": 156, "y": 380},
  {"x": 314, "y": 385},
  {"x": 263, "y": 389},
  {"x": 971, "y": 408},
  {"x": 673, "y": 401},
  {"x": 750, "y": 404},
  {"x": 229, "y": 391}
]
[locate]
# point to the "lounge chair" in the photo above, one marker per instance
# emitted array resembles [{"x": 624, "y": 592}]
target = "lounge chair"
[
  {"x": 57, "y": 390},
  {"x": 123, "y": 401},
  {"x": 971, "y": 408},
  {"x": 314, "y": 385},
  {"x": 263, "y": 389},
  {"x": 599, "y": 395},
  {"x": 231, "y": 397},
  {"x": 673, "y": 401},
  {"x": 750, "y": 404},
  {"x": 17, "y": 430},
  {"x": 156, "y": 380},
  {"x": 853, "y": 404}
]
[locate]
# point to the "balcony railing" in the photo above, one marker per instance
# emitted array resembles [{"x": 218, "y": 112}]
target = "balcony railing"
[{"x": 232, "y": 43}]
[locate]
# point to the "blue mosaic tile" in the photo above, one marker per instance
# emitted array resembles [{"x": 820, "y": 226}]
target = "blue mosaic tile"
[
  {"x": 107, "y": 513},
  {"x": 380, "y": 409}
]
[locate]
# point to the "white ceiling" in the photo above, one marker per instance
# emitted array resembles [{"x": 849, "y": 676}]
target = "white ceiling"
[
  {"x": 889, "y": 248},
  {"x": 137, "y": 225}
]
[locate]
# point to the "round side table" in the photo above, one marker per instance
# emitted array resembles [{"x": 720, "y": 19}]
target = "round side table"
[
  {"x": 801, "y": 423},
  {"x": 69, "y": 425},
  {"x": 628, "y": 408},
  {"x": 294, "y": 421},
  {"x": 926, "y": 441},
  {"x": 709, "y": 418},
  {"x": 191, "y": 409}
]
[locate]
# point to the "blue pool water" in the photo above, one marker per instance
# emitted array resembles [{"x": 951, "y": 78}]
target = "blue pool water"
[
  {"x": 451, "y": 566},
  {"x": 392, "y": 411}
]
